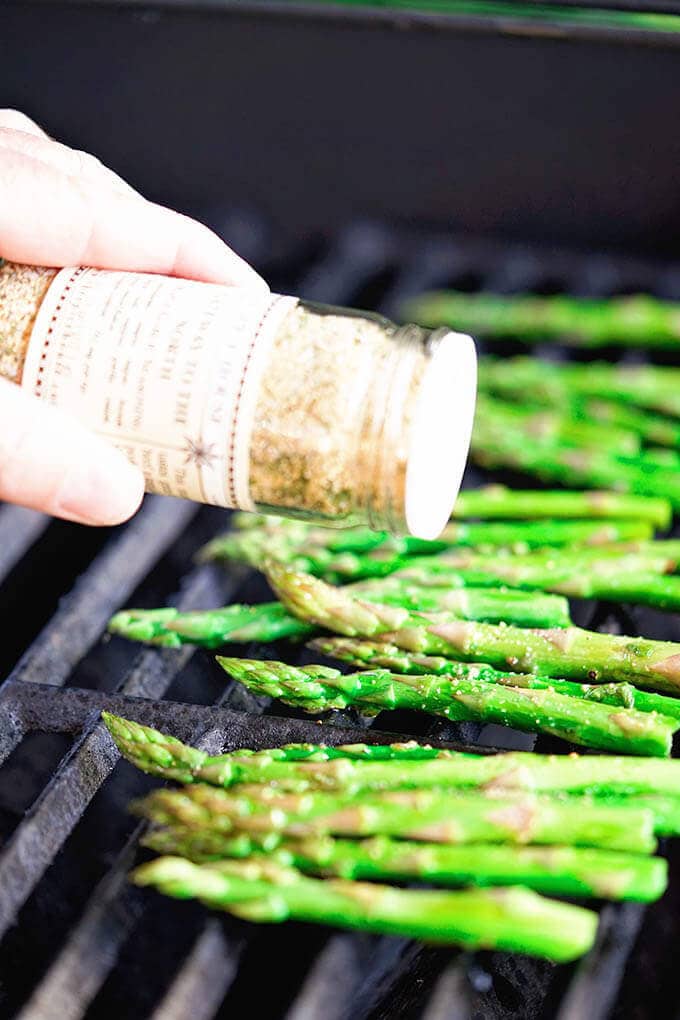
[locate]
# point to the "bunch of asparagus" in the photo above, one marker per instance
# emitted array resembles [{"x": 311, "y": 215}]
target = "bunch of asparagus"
[
  {"x": 637, "y": 321},
  {"x": 570, "y": 652},
  {"x": 425, "y": 627},
  {"x": 310, "y": 832},
  {"x": 544, "y": 421},
  {"x": 611, "y": 560},
  {"x": 359, "y": 552},
  {"x": 428, "y": 661}
]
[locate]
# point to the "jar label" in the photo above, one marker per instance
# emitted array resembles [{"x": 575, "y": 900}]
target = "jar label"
[{"x": 167, "y": 369}]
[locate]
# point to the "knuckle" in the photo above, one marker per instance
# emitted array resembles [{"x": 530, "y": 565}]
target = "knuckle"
[
  {"x": 15, "y": 119},
  {"x": 84, "y": 163}
]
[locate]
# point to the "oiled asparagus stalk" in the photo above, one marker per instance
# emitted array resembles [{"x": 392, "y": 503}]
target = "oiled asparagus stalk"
[
  {"x": 638, "y": 577},
  {"x": 269, "y": 621},
  {"x": 652, "y": 428},
  {"x": 171, "y": 628},
  {"x": 556, "y": 870},
  {"x": 430, "y": 816},
  {"x": 365, "y": 653},
  {"x": 496, "y": 502},
  {"x": 496, "y": 446},
  {"x": 511, "y": 919},
  {"x": 357, "y": 767},
  {"x": 557, "y": 425},
  {"x": 639, "y": 320},
  {"x": 316, "y": 549},
  {"x": 654, "y": 387},
  {"x": 464, "y": 697},
  {"x": 570, "y": 652}
]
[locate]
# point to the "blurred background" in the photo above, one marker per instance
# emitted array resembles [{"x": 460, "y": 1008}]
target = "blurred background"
[{"x": 280, "y": 123}]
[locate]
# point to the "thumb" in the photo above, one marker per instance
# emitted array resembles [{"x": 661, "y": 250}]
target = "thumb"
[{"x": 49, "y": 462}]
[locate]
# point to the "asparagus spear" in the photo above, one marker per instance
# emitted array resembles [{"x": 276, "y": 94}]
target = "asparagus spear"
[
  {"x": 467, "y": 696},
  {"x": 631, "y": 577},
  {"x": 636, "y": 321},
  {"x": 491, "y": 605},
  {"x": 569, "y": 652},
  {"x": 269, "y": 621},
  {"x": 498, "y": 502},
  {"x": 377, "y": 564},
  {"x": 510, "y": 919},
  {"x": 664, "y": 808},
  {"x": 558, "y": 463},
  {"x": 557, "y": 870},
  {"x": 163, "y": 755},
  {"x": 496, "y": 442},
  {"x": 652, "y": 428},
  {"x": 421, "y": 815},
  {"x": 357, "y": 767},
  {"x": 316, "y": 553},
  {"x": 171, "y": 628},
  {"x": 554, "y": 423},
  {"x": 359, "y": 652},
  {"x": 653, "y": 387}
]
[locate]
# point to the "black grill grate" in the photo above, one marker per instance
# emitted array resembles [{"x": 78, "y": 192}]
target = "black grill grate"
[{"x": 77, "y": 940}]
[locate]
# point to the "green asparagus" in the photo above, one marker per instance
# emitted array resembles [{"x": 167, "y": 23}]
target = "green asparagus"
[
  {"x": 509, "y": 919},
  {"x": 370, "y": 654},
  {"x": 636, "y": 576},
  {"x": 636, "y": 321},
  {"x": 171, "y": 628},
  {"x": 269, "y": 621},
  {"x": 422, "y": 815},
  {"x": 652, "y": 428},
  {"x": 570, "y": 652},
  {"x": 651, "y": 387},
  {"x": 464, "y": 697},
  {"x": 496, "y": 502},
  {"x": 358, "y": 767},
  {"x": 556, "y": 424},
  {"x": 490, "y": 605},
  {"x": 316, "y": 550},
  {"x": 556, "y": 870},
  {"x": 583, "y": 465}
]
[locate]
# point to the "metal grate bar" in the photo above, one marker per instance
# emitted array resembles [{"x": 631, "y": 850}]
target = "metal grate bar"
[
  {"x": 202, "y": 982},
  {"x": 450, "y": 999},
  {"x": 337, "y": 966},
  {"x": 74, "y": 978},
  {"x": 35, "y": 842},
  {"x": 19, "y": 529},
  {"x": 593, "y": 991},
  {"x": 83, "y": 613}
]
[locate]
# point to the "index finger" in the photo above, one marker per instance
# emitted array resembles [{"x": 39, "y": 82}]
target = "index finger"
[{"x": 48, "y": 217}]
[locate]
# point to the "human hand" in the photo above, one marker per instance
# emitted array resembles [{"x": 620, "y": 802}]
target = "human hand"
[{"x": 60, "y": 207}]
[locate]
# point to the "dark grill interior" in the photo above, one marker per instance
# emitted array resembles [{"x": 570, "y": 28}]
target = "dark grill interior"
[{"x": 78, "y": 941}]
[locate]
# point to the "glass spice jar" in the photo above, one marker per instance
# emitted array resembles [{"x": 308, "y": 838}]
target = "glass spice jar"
[{"x": 250, "y": 400}]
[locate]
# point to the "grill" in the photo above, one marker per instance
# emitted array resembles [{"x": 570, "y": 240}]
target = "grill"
[
  {"x": 317, "y": 149},
  {"x": 78, "y": 941}
]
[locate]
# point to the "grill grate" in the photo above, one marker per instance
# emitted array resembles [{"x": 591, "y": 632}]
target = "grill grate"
[{"x": 77, "y": 940}]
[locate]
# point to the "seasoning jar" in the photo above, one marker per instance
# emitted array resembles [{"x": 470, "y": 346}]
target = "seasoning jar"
[{"x": 249, "y": 400}]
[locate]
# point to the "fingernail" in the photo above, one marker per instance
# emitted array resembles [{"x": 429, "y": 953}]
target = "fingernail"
[{"x": 106, "y": 490}]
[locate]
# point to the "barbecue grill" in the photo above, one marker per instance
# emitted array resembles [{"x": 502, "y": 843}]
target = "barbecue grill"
[{"x": 77, "y": 940}]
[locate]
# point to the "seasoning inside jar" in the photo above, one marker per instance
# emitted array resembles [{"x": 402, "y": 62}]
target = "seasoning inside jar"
[{"x": 358, "y": 420}]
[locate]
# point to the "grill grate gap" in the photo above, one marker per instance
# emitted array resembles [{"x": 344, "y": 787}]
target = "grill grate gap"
[{"x": 25, "y": 773}]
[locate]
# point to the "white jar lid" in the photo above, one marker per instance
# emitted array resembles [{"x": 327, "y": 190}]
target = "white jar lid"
[{"x": 440, "y": 436}]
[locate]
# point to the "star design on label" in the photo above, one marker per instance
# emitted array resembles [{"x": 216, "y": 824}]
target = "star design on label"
[{"x": 198, "y": 453}]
